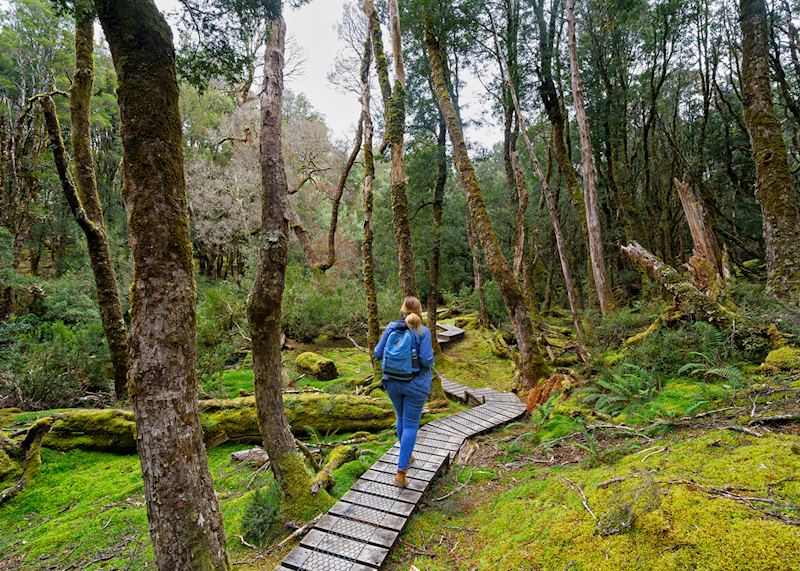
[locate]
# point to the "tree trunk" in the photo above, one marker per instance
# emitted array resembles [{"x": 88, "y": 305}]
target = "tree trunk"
[
  {"x": 97, "y": 241},
  {"x": 394, "y": 102},
  {"x": 330, "y": 259},
  {"x": 298, "y": 502},
  {"x": 522, "y": 208},
  {"x": 477, "y": 274},
  {"x": 552, "y": 206},
  {"x": 774, "y": 187},
  {"x": 703, "y": 237},
  {"x": 373, "y": 328},
  {"x": 185, "y": 519},
  {"x": 438, "y": 203},
  {"x": 598, "y": 262},
  {"x": 531, "y": 367}
]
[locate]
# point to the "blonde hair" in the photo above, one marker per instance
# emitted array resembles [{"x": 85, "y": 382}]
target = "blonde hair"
[{"x": 411, "y": 310}]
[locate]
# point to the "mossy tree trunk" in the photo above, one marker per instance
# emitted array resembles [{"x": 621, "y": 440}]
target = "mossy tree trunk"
[
  {"x": 298, "y": 502},
  {"x": 552, "y": 206},
  {"x": 99, "y": 252},
  {"x": 531, "y": 367},
  {"x": 394, "y": 102},
  {"x": 592, "y": 209},
  {"x": 775, "y": 191},
  {"x": 522, "y": 208},
  {"x": 373, "y": 329},
  {"x": 185, "y": 519},
  {"x": 438, "y": 208}
]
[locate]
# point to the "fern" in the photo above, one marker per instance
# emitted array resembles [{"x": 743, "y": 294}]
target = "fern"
[{"x": 618, "y": 389}]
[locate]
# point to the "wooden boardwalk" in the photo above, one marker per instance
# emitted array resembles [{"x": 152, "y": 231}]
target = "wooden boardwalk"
[{"x": 359, "y": 530}]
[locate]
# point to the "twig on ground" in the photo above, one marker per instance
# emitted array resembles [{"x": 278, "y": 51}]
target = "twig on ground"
[
  {"x": 578, "y": 490},
  {"x": 245, "y": 543},
  {"x": 664, "y": 449},
  {"x": 454, "y": 490},
  {"x": 300, "y": 531}
]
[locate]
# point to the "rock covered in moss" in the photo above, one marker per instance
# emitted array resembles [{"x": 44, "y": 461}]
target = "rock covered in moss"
[
  {"x": 783, "y": 360},
  {"x": 314, "y": 364}
]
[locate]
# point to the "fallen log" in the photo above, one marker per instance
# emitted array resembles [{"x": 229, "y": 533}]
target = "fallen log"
[
  {"x": 26, "y": 456},
  {"x": 692, "y": 304},
  {"x": 113, "y": 430}
]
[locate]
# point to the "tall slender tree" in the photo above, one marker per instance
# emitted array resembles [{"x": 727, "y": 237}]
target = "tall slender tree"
[
  {"x": 93, "y": 225},
  {"x": 594, "y": 232},
  {"x": 531, "y": 367},
  {"x": 775, "y": 190},
  {"x": 394, "y": 103},
  {"x": 185, "y": 520},
  {"x": 300, "y": 500}
]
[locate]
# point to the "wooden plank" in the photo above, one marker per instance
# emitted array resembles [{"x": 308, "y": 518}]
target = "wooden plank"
[
  {"x": 387, "y": 491},
  {"x": 304, "y": 559},
  {"x": 357, "y": 530},
  {"x": 368, "y": 515},
  {"x": 387, "y": 478},
  {"x": 379, "y": 503},
  {"x": 419, "y": 463},
  {"x": 413, "y": 472},
  {"x": 345, "y": 547}
]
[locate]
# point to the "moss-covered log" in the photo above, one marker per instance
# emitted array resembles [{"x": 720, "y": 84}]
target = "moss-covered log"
[
  {"x": 23, "y": 461},
  {"x": 314, "y": 364},
  {"x": 113, "y": 430},
  {"x": 691, "y": 303}
]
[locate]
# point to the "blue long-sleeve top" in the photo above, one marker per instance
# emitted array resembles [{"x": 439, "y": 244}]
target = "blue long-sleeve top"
[{"x": 424, "y": 351}]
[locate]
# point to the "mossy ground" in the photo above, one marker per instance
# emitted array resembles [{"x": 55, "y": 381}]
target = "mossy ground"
[
  {"x": 471, "y": 362},
  {"x": 531, "y": 517}
]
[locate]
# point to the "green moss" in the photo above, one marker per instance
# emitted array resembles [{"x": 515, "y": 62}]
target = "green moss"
[
  {"x": 110, "y": 430},
  {"x": 782, "y": 360},
  {"x": 346, "y": 475},
  {"x": 558, "y": 426},
  {"x": 321, "y": 367},
  {"x": 533, "y": 519},
  {"x": 9, "y": 469},
  {"x": 298, "y": 503},
  {"x": 472, "y": 363},
  {"x": 678, "y": 397}
]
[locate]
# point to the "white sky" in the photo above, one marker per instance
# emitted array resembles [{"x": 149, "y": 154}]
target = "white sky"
[{"x": 314, "y": 29}]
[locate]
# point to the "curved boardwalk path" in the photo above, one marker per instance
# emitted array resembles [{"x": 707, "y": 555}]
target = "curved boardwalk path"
[{"x": 359, "y": 530}]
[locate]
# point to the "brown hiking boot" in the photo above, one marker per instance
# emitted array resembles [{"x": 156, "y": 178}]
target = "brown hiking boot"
[
  {"x": 400, "y": 479},
  {"x": 411, "y": 460}
]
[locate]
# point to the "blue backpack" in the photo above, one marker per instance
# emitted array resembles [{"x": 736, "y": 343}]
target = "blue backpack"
[{"x": 400, "y": 361}]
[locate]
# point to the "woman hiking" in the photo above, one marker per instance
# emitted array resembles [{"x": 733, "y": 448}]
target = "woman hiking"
[{"x": 406, "y": 356}]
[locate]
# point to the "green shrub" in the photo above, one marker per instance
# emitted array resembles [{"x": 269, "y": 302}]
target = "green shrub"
[
  {"x": 259, "y": 522},
  {"x": 623, "y": 322},
  {"x": 70, "y": 299},
  {"x": 53, "y": 364}
]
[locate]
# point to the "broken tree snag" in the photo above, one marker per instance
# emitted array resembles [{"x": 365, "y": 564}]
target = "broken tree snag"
[
  {"x": 296, "y": 224},
  {"x": 592, "y": 207},
  {"x": 330, "y": 259},
  {"x": 775, "y": 189},
  {"x": 691, "y": 303},
  {"x": 703, "y": 237}
]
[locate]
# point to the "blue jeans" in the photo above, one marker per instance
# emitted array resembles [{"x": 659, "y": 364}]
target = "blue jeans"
[{"x": 408, "y": 402}]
